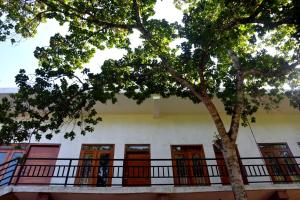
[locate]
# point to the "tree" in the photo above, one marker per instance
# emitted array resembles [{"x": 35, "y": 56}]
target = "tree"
[{"x": 222, "y": 55}]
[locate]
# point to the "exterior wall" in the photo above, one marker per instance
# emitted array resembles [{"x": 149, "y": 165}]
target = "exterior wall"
[
  {"x": 165, "y": 130},
  {"x": 174, "y": 121}
]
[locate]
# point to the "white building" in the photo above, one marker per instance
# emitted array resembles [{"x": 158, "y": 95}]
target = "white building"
[{"x": 171, "y": 141}]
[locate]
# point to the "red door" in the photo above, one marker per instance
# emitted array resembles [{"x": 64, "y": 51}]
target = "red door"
[
  {"x": 223, "y": 172},
  {"x": 189, "y": 165},
  {"x": 137, "y": 166},
  {"x": 41, "y": 169}
]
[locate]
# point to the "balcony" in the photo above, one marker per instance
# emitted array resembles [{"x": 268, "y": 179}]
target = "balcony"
[{"x": 181, "y": 175}]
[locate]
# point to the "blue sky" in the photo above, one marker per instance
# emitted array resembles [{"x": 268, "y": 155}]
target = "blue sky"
[{"x": 20, "y": 56}]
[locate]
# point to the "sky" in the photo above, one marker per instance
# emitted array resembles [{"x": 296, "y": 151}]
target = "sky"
[{"x": 20, "y": 55}]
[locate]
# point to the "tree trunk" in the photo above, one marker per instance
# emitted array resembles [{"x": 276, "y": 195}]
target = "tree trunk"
[{"x": 234, "y": 172}]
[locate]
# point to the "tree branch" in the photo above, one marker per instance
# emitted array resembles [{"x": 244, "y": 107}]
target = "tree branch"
[
  {"x": 137, "y": 17},
  {"x": 245, "y": 20},
  {"x": 236, "y": 115},
  {"x": 269, "y": 73}
]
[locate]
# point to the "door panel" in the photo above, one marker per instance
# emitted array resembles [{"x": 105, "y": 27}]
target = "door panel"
[
  {"x": 137, "y": 166},
  {"x": 280, "y": 163},
  {"x": 44, "y": 169},
  {"x": 189, "y": 165}
]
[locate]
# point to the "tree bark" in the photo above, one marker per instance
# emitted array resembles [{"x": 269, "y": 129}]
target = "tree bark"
[
  {"x": 229, "y": 152},
  {"x": 234, "y": 172}
]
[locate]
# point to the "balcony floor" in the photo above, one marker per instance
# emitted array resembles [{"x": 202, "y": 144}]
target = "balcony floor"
[{"x": 255, "y": 192}]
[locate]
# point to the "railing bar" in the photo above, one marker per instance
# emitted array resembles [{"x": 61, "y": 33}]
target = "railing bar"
[
  {"x": 153, "y": 171},
  {"x": 58, "y": 170},
  {"x": 202, "y": 170},
  {"x": 48, "y": 167}
]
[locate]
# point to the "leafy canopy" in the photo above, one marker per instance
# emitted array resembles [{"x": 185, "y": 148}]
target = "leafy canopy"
[{"x": 222, "y": 54}]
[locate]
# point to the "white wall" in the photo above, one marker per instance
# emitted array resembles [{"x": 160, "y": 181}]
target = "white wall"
[{"x": 168, "y": 130}]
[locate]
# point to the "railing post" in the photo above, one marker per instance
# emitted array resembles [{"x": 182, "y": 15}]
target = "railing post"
[{"x": 68, "y": 171}]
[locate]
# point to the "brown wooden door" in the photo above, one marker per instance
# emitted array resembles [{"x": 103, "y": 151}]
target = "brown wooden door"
[
  {"x": 280, "y": 163},
  {"x": 223, "y": 171},
  {"x": 189, "y": 165},
  {"x": 96, "y": 166},
  {"x": 41, "y": 168},
  {"x": 137, "y": 166}
]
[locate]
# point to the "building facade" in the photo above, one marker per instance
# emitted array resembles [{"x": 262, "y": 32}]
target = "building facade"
[{"x": 161, "y": 149}]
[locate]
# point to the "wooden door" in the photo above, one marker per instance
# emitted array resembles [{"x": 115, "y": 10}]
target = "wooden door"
[
  {"x": 36, "y": 169},
  {"x": 280, "y": 163},
  {"x": 223, "y": 171},
  {"x": 137, "y": 166},
  {"x": 189, "y": 165},
  {"x": 96, "y": 165}
]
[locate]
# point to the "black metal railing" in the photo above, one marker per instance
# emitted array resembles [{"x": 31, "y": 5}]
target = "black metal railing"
[{"x": 138, "y": 172}]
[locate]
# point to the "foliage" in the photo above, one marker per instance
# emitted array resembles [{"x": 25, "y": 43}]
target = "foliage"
[{"x": 223, "y": 54}]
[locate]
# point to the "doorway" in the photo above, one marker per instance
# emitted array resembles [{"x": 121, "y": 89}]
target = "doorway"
[
  {"x": 137, "y": 165},
  {"x": 95, "y": 165},
  {"x": 189, "y": 165},
  {"x": 280, "y": 162}
]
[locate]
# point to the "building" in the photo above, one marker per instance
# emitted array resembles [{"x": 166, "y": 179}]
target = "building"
[{"x": 161, "y": 149}]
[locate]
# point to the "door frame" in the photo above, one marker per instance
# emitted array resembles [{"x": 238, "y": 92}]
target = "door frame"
[
  {"x": 287, "y": 178},
  {"x": 93, "y": 181},
  {"x": 191, "y": 180}
]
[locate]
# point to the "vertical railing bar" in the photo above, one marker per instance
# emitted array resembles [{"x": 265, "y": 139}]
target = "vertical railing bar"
[
  {"x": 49, "y": 167},
  {"x": 58, "y": 170},
  {"x": 67, "y": 177},
  {"x": 153, "y": 172}
]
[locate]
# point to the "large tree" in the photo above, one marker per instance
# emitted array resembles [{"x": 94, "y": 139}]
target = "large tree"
[{"x": 221, "y": 54}]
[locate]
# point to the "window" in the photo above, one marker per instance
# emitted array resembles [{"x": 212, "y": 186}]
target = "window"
[
  {"x": 223, "y": 171},
  {"x": 137, "y": 165},
  {"x": 280, "y": 162},
  {"x": 189, "y": 165},
  {"x": 96, "y": 165}
]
